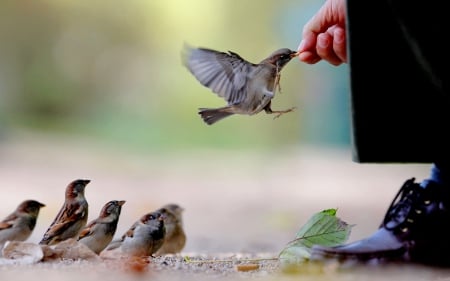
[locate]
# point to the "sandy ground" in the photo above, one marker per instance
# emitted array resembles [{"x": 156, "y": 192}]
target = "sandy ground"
[{"x": 236, "y": 204}]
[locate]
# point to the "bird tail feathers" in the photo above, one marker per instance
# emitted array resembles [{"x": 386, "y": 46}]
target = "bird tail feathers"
[{"x": 211, "y": 116}]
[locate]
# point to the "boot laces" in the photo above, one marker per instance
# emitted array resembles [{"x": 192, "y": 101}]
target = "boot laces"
[{"x": 403, "y": 205}]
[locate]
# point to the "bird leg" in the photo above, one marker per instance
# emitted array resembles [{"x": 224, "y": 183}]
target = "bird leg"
[
  {"x": 277, "y": 80},
  {"x": 278, "y": 113},
  {"x": 281, "y": 112}
]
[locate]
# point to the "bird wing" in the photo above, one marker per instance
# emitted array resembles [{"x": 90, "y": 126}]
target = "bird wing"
[
  {"x": 67, "y": 216},
  {"x": 8, "y": 222},
  {"x": 116, "y": 243},
  {"x": 225, "y": 74},
  {"x": 87, "y": 230},
  {"x": 130, "y": 231}
]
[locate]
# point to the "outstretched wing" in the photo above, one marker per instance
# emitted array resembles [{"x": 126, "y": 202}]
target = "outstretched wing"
[{"x": 225, "y": 74}]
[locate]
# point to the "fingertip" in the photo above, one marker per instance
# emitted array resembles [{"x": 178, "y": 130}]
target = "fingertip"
[
  {"x": 308, "y": 57},
  {"x": 303, "y": 56}
]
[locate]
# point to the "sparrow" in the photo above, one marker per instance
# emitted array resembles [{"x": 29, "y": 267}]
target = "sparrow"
[
  {"x": 247, "y": 87},
  {"x": 19, "y": 225},
  {"x": 175, "y": 238},
  {"x": 143, "y": 238},
  {"x": 72, "y": 216},
  {"x": 98, "y": 233}
]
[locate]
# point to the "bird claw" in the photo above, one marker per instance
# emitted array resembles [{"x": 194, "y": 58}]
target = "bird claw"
[{"x": 281, "y": 112}]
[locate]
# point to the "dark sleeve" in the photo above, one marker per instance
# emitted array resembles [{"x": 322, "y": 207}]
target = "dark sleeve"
[
  {"x": 399, "y": 80},
  {"x": 425, "y": 28}
]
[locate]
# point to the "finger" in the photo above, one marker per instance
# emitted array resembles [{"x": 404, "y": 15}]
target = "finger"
[
  {"x": 307, "y": 49},
  {"x": 308, "y": 42},
  {"x": 339, "y": 41},
  {"x": 324, "y": 49},
  {"x": 331, "y": 13},
  {"x": 319, "y": 23},
  {"x": 340, "y": 44},
  {"x": 309, "y": 57}
]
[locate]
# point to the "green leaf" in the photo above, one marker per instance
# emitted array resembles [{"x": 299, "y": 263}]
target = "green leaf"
[{"x": 323, "y": 228}]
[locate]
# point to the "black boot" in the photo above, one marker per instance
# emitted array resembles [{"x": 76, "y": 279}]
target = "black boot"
[{"x": 413, "y": 230}]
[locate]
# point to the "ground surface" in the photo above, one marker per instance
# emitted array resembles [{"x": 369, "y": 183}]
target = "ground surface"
[{"x": 237, "y": 205}]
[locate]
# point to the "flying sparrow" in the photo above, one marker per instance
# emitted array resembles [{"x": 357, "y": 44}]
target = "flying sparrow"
[
  {"x": 98, "y": 233},
  {"x": 19, "y": 225},
  {"x": 175, "y": 238},
  {"x": 247, "y": 87},
  {"x": 144, "y": 237},
  {"x": 72, "y": 216}
]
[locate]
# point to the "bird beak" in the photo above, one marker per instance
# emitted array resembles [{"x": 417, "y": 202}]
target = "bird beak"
[
  {"x": 293, "y": 55},
  {"x": 121, "y": 202}
]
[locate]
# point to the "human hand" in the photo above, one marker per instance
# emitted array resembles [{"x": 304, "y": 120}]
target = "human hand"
[{"x": 324, "y": 35}]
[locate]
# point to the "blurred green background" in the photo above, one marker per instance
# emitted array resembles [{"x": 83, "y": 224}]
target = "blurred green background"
[{"x": 111, "y": 71}]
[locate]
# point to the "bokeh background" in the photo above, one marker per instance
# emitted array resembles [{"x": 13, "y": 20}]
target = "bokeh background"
[
  {"x": 112, "y": 71},
  {"x": 96, "y": 89}
]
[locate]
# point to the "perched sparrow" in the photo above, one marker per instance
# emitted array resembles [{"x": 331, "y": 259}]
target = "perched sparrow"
[
  {"x": 247, "y": 87},
  {"x": 72, "y": 216},
  {"x": 98, "y": 233},
  {"x": 175, "y": 238},
  {"x": 19, "y": 225},
  {"x": 144, "y": 237}
]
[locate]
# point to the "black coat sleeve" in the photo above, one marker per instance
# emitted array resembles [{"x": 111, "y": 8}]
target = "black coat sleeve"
[{"x": 399, "y": 81}]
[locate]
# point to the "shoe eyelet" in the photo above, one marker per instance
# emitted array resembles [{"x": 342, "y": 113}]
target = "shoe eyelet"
[
  {"x": 409, "y": 220},
  {"x": 418, "y": 211},
  {"x": 427, "y": 202},
  {"x": 404, "y": 230}
]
